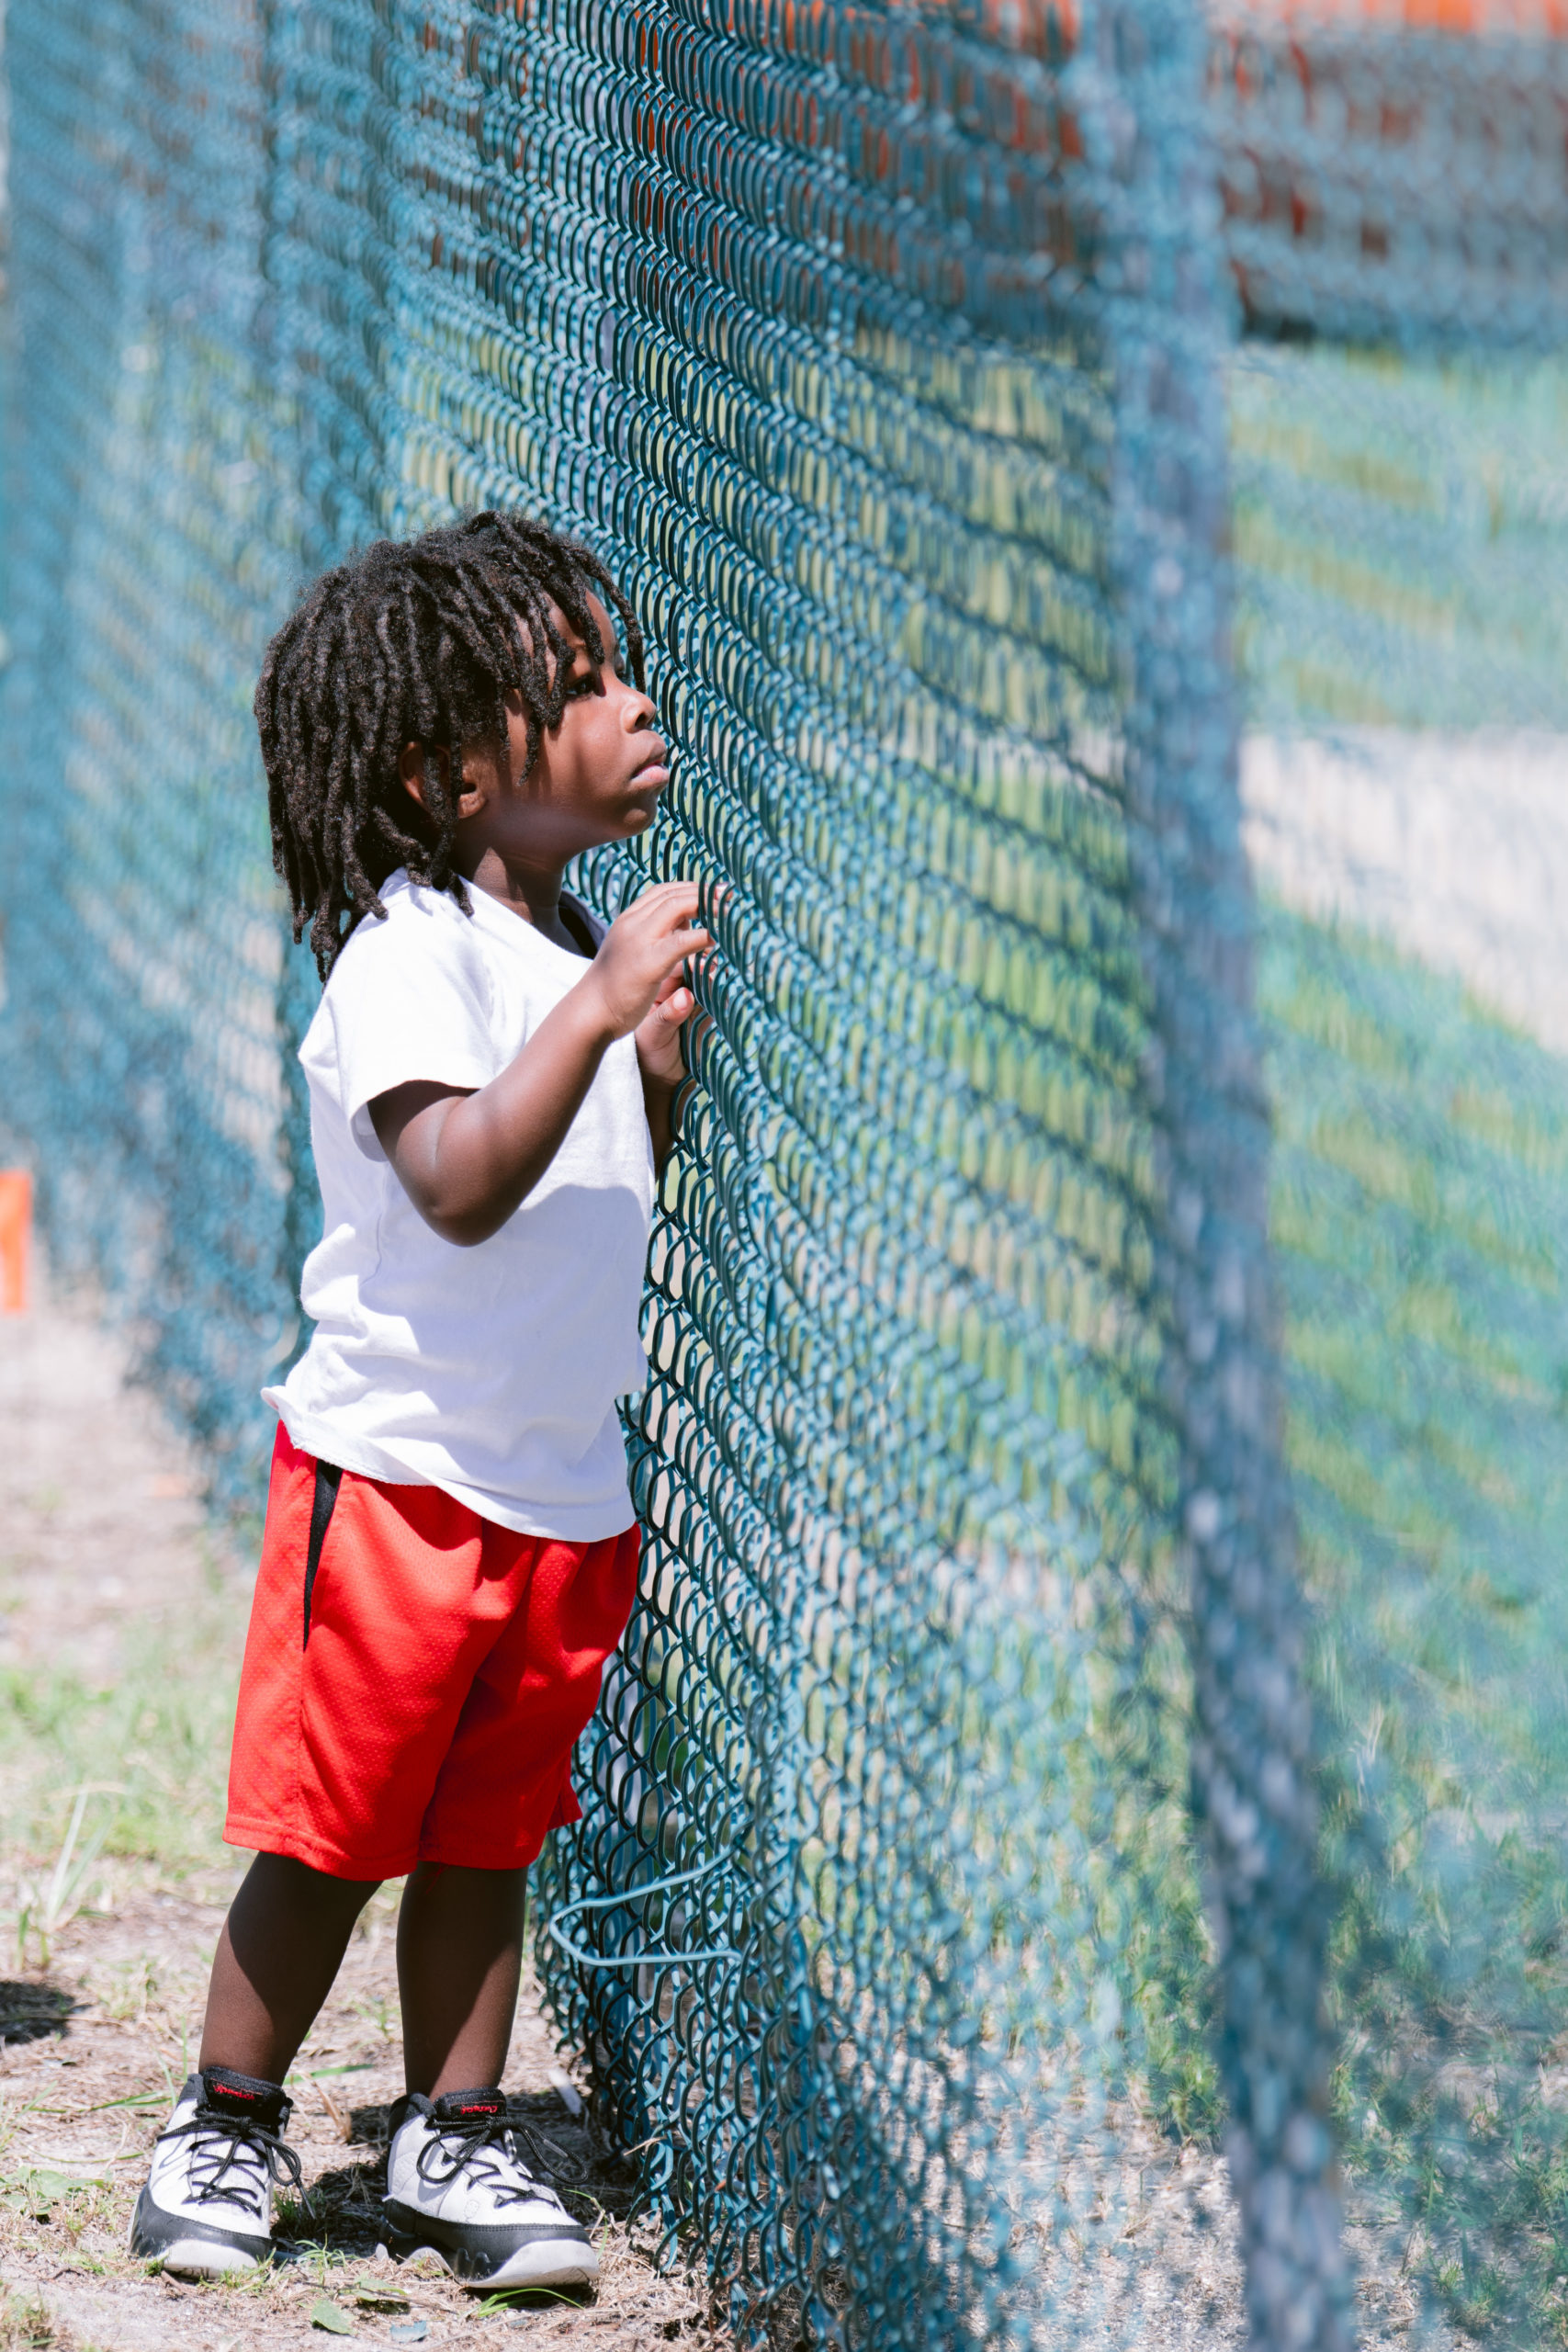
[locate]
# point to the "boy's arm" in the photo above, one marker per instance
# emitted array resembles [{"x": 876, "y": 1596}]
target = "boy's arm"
[{"x": 468, "y": 1159}]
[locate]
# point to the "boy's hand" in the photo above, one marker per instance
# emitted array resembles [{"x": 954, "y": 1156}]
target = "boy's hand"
[
  {"x": 636, "y": 977},
  {"x": 467, "y": 1159},
  {"x": 660, "y": 1052}
]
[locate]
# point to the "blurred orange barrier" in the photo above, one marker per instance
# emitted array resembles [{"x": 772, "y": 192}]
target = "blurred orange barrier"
[
  {"x": 15, "y": 1238},
  {"x": 1379, "y": 158},
  {"x": 1481, "y": 19}
]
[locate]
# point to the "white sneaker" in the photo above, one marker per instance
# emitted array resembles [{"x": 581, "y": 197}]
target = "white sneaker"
[
  {"x": 206, "y": 2212},
  {"x": 456, "y": 2182}
]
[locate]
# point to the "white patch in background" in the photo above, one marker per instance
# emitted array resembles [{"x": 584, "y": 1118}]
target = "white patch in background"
[{"x": 1454, "y": 848}]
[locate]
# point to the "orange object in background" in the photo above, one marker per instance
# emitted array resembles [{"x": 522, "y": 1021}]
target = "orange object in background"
[
  {"x": 15, "y": 1238},
  {"x": 1478, "y": 19}
]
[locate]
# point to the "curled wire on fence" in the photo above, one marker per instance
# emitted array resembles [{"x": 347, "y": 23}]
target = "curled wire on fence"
[{"x": 580, "y": 1958}]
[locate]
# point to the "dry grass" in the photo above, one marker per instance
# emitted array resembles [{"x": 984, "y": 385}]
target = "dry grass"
[{"x": 121, "y": 1626}]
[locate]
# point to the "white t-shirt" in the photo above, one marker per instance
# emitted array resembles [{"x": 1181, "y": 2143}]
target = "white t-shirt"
[{"x": 491, "y": 1372}]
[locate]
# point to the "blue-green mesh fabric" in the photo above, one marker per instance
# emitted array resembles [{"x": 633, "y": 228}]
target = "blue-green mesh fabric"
[
  {"x": 1035, "y": 445},
  {"x": 141, "y": 937}
]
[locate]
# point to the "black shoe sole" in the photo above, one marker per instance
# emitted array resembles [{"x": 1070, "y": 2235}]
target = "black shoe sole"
[
  {"x": 523, "y": 2254},
  {"x": 157, "y": 2236}
]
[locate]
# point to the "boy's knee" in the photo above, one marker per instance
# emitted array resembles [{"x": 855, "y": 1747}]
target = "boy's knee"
[
  {"x": 284, "y": 1881},
  {"x": 486, "y": 1900}
]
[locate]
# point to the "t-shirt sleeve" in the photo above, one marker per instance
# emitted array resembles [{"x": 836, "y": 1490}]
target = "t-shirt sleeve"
[{"x": 407, "y": 1000}]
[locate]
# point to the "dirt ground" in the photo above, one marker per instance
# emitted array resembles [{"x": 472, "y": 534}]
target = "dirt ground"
[
  {"x": 121, "y": 1620},
  {"x": 109, "y": 1579}
]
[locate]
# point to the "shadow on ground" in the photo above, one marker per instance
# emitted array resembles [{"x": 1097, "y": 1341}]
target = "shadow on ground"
[{"x": 29, "y": 2012}]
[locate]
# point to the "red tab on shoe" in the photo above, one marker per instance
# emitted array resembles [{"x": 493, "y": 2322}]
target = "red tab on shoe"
[
  {"x": 225, "y": 2092},
  {"x": 467, "y": 2106}
]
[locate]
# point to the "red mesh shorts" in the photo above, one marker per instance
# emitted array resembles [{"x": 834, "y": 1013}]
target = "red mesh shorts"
[{"x": 415, "y": 1677}]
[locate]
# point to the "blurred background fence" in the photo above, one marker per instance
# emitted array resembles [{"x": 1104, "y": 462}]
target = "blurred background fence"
[{"x": 1095, "y": 485}]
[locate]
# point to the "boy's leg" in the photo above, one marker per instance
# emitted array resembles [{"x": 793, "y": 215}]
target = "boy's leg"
[
  {"x": 206, "y": 2211},
  {"x": 281, "y": 1947},
  {"x": 503, "y": 1784},
  {"x": 460, "y": 2171},
  {"x": 459, "y": 2178},
  {"x": 460, "y": 1959}
]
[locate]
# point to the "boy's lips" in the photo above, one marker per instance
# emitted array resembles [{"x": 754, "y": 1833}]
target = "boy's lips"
[{"x": 652, "y": 776}]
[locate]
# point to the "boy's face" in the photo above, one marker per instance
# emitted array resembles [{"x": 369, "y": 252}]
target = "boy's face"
[{"x": 598, "y": 775}]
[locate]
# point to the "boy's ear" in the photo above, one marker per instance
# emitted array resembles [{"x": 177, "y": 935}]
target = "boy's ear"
[
  {"x": 411, "y": 770},
  {"x": 410, "y": 773}
]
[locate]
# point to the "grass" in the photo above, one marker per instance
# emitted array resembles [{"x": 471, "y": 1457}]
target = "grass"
[
  {"x": 1401, "y": 555},
  {"x": 25, "y": 2326},
  {"x": 1421, "y": 1224},
  {"x": 96, "y": 1780}
]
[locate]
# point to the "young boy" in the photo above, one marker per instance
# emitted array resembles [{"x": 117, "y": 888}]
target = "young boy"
[{"x": 450, "y": 1552}]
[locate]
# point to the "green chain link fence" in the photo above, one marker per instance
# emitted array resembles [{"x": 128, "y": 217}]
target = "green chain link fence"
[{"x": 995, "y": 1796}]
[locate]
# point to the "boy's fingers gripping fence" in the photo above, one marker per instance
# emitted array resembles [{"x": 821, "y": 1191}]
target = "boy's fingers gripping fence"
[{"x": 992, "y": 411}]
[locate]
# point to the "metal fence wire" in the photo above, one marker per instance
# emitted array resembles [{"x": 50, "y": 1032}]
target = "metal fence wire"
[{"x": 1082, "y": 1797}]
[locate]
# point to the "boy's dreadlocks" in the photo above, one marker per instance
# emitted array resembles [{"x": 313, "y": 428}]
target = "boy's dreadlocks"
[{"x": 416, "y": 642}]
